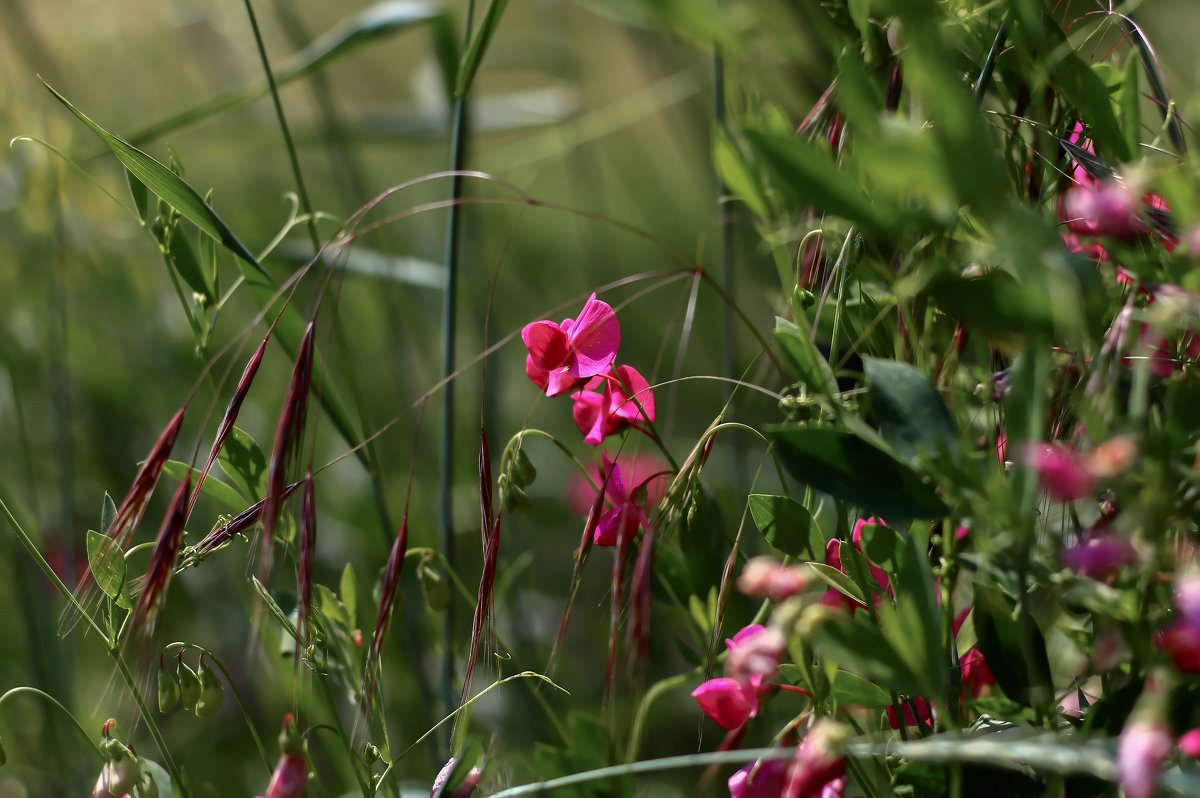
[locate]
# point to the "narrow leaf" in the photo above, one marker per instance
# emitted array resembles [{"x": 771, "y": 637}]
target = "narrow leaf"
[{"x": 473, "y": 57}]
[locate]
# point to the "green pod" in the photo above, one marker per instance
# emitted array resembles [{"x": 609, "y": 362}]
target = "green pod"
[
  {"x": 434, "y": 587},
  {"x": 523, "y": 472},
  {"x": 212, "y": 693},
  {"x": 189, "y": 686},
  {"x": 168, "y": 691}
]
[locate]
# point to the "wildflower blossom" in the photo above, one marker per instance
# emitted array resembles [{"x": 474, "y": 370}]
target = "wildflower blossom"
[
  {"x": 1063, "y": 472},
  {"x": 1142, "y": 751},
  {"x": 561, "y": 356},
  {"x": 759, "y": 780},
  {"x": 1099, "y": 554},
  {"x": 624, "y": 401},
  {"x": 625, "y": 513}
]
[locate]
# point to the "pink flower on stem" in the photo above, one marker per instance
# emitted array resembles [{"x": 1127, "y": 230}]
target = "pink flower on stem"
[
  {"x": 1099, "y": 554},
  {"x": 833, "y": 558},
  {"x": 819, "y": 767},
  {"x": 754, "y": 654},
  {"x": 1142, "y": 751},
  {"x": 1181, "y": 639},
  {"x": 759, "y": 780},
  {"x": 923, "y": 716},
  {"x": 1064, "y": 473},
  {"x": 976, "y": 675},
  {"x": 1105, "y": 209},
  {"x": 562, "y": 356},
  {"x": 291, "y": 772},
  {"x": 625, "y": 510},
  {"x": 766, "y": 577},
  {"x": 625, "y": 401},
  {"x": 727, "y": 701},
  {"x": 1189, "y": 744}
]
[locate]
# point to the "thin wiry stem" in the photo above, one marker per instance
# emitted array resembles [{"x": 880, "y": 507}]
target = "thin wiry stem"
[
  {"x": 458, "y": 156},
  {"x": 301, "y": 189}
]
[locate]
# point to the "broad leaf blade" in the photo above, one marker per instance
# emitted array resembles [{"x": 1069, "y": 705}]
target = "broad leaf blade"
[
  {"x": 166, "y": 184},
  {"x": 910, "y": 411},
  {"x": 787, "y": 525}
]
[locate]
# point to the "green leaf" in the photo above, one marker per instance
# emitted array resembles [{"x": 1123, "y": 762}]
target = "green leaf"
[
  {"x": 910, "y": 411},
  {"x": 1014, "y": 648},
  {"x": 849, "y": 468},
  {"x": 183, "y": 258},
  {"x": 995, "y": 304},
  {"x": 108, "y": 513},
  {"x": 243, "y": 461},
  {"x": 160, "y": 777},
  {"x": 106, "y": 561},
  {"x": 914, "y": 623},
  {"x": 274, "y": 609},
  {"x": 838, "y": 581},
  {"x": 223, "y": 492},
  {"x": 141, "y": 196},
  {"x": 473, "y": 57},
  {"x": 812, "y": 179},
  {"x": 1131, "y": 105},
  {"x": 737, "y": 175},
  {"x": 166, "y": 184},
  {"x": 787, "y": 525},
  {"x": 804, "y": 358},
  {"x": 329, "y": 605},
  {"x": 857, "y": 645},
  {"x": 852, "y": 689},
  {"x": 348, "y": 587}
]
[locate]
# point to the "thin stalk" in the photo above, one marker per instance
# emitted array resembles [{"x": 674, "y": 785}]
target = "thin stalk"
[
  {"x": 989, "y": 63},
  {"x": 458, "y": 156},
  {"x": 41, "y": 693},
  {"x": 301, "y": 189}
]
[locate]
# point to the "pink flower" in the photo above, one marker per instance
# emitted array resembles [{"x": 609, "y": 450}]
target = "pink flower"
[
  {"x": 1181, "y": 640},
  {"x": 769, "y": 578},
  {"x": 727, "y": 701},
  {"x": 1064, "y": 472},
  {"x": 465, "y": 789},
  {"x": 833, "y": 558},
  {"x": 754, "y": 654},
  {"x": 291, "y": 772},
  {"x": 625, "y": 513},
  {"x": 819, "y": 767},
  {"x": 1189, "y": 744},
  {"x": 1187, "y": 597},
  {"x": 1141, "y": 753},
  {"x": 924, "y": 714},
  {"x": 759, "y": 780},
  {"x": 626, "y": 401},
  {"x": 561, "y": 355},
  {"x": 976, "y": 675},
  {"x": 1099, "y": 554},
  {"x": 1106, "y": 209},
  {"x": 638, "y": 469}
]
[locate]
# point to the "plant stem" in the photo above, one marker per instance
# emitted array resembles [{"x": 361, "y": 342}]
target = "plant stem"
[
  {"x": 55, "y": 702},
  {"x": 301, "y": 189},
  {"x": 458, "y": 146}
]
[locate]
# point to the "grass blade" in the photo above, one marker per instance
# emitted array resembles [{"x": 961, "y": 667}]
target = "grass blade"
[{"x": 473, "y": 57}]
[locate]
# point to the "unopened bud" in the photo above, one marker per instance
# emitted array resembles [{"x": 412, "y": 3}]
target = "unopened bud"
[
  {"x": 189, "y": 686},
  {"x": 434, "y": 588},
  {"x": 370, "y": 753},
  {"x": 211, "y": 691},
  {"x": 767, "y": 577},
  {"x": 120, "y": 773},
  {"x": 523, "y": 472},
  {"x": 168, "y": 691}
]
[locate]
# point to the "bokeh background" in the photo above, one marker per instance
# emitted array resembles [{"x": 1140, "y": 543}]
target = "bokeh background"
[{"x": 606, "y": 108}]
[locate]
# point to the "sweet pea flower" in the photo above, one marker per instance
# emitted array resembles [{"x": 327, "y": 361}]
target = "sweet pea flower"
[
  {"x": 625, "y": 513},
  {"x": 766, "y": 577},
  {"x": 625, "y": 401},
  {"x": 924, "y": 714},
  {"x": 833, "y": 558},
  {"x": 1189, "y": 744},
  {"x": 976, "y": 675},
  {"x": 1099, "y": 555},
  {"x": 1109, "y": 208},
  {"x": 727, "y": 701},
  {"x": 818, "y": 770},
  {"x": 291, "y": 772},
  {"x": 1142, "y": 751},
  {"x": 1064, "y": 473},
  {"x": 1181, "y": 639},
  {"x": 754, "y": 654},
  {"x": 561, "y": 356},
  {"x": 759, "y": 780}
]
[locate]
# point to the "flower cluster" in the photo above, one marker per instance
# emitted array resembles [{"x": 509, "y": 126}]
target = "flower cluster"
[{"x": 753, "y": 658}]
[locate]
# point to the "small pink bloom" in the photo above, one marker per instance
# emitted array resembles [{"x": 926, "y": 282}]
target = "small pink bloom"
[
  {"x": 976, "y": 675},
  {"x": 769, "y": 578},
  {"x": 1189, "y": 744},
  {"x": 923, "y": 713},
  {"x": 639, "y": 469},
  {"x": 560, "y": 355},
  {"x": 1142, "y": 751},
  {"x": 1187, "y": 597},
  {"x": 819, "y": 763},
  {"x": 291, "y": 772},
  {"x": 755, "y": 658},
  {"x": 1064, "y": 473},
  {"x": 1107, "y": 209},
  {"x": 625, "y": 514},
  {"x": 1099, "y": 554},
  {"x": 625, "y": 401},
  {"x": 833, "y": 558},
  {"x": 1182, "y": 641},
  {"x": 727, "y": 701},
  {"x": 759, "y": 780}
]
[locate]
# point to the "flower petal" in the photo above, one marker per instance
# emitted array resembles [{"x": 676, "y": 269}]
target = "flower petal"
[
  {"x": 593, "y": 339},
  {"x": 631, "y": 396},
  {"x": 588, "y": 414},
  {"x": 547, "y": 344},
  {"x": 728, "y": 702}
]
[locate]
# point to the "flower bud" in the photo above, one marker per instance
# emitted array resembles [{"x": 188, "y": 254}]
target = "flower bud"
[
  {"x": 211, "y": 691},
  {"x": 168, "y": 691},
  {"x": 759, "y": 780},
  {"x": 434, "y": 587},
  {"x": 119, "y": 775},
  {"x": 189, "y": 686},
  {"x": 728, "y": 702},
  {"x": 1189, "y": 744},
  {"x": 767, "y": 577},
  {"x": 523, "y": 472}
]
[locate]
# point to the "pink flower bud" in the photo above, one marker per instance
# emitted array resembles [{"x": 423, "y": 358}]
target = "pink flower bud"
[
  {"x": 1099, "y": 555},
  {"x": 769, "y": 578},
  {"x": 728, "y": 702},
  {"x": 1141, "y": 753},
  {"x": 1189, "y": 744},
  {"x": 819, "y": 764},
  {"x": 1064, "y": 473},
  {"x": 759, "y": 780},
  {"x": 1109, "y": 209},
  {"x": 289, "y": 778},
  {"x": 755, "y": 659}
]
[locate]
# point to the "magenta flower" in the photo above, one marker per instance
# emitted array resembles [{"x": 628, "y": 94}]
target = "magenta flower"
[
  {"x": 819, "y": 768},
  {"x": 759, "y": 780},
  {"x": 1187, "y": 597},
  {"x": 833, "y": 558},
  {"x": 625, "y": 401},
  {"x": 1189, "y": 744},
  {"x": 1181, "y": 640},
  {"x": 766, "y": 577},
  {"x": 754, "y": 654},
  {"x": 976, "y": 675},
  {"x": 727, "y": 701},
  {"x": 291, "y": 772},
  {"x": 1099, "y": 554},
  {"x": 923, "y": 716},
  {"x": 1141, "y": 753},
  {"x": 1064, "y": 473},
  {"x": 1105, "y": 209},
  {"x": 625, "y": 512},
  {"x": 561, "y": 356}
]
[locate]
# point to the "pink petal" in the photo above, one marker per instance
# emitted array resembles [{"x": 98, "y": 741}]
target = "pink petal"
[
  {"x": 560, "y": 382},
  {"x": 759, "y": 780},
  {"x": 1189, "y": 744},
  {"x": 616, "y": 492},
  {"x": 539, "y": 376},
  {"x": 745, "y": 634},
  {"x": 638, "y": 403},
  {"x": 588, "y": 414},
  {"x": 728, "y": 702},
  {"x": 547, "y": 344},
  {"x": 593, "y": 339}
]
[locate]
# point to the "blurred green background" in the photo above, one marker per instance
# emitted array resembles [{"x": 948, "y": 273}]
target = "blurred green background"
[{"x": 593, "y": 106}]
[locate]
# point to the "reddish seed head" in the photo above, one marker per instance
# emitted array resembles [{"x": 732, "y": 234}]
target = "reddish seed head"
[
  {"x": 162, "y": 562},
  {"x": 304, "y": 567}
]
